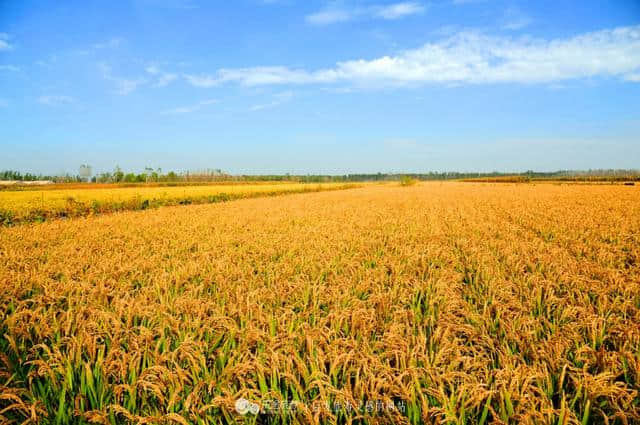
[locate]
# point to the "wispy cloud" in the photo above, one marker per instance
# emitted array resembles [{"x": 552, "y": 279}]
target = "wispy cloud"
[
  {"x": 4, "y": 41},
  {"x": 124, "y": 86},
  {"x": 515, "y": 19},
  {"x": 278, "y": 100},
  {"x": 326, "y": 17},
  {"x": 267, "y": 75},
  {"x": 55, "y": 100},
  {"x": 205, "y": 81},
  {"x": 11, "y": 68},
  {"x": 49, "y": 62},
  {"x": 189, "y": 109},
  {"x": 466, "y": 58},
  {"x": 398, "y": 10},
  {"x": 162, "y": 78},
  {"x": 335, "y": 14},
  {"x": 112, "y": 43}
]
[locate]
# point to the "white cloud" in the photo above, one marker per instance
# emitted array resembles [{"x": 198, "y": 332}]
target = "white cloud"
[
  {"x": 4, "y": 41},
  {"x": 335, "y": 14},
  {"x": 165, "y": 78},
  {"x": 53, "y": 100},
  {"x": 399, "y": 10},
  {"x": 191, "y": 108},
  {"x": 124, "y": 86},
  {"x": 278, "y": 100},
  {"x": 205, "y": 81},
  {"x": 274, "y": 75},
  {"x": 263, "y": 75},
  {"x": 466, "y": 58},
  {"x": 11, "y": 68},
  {"x": 517, "y": 24},
  {"x": 162, "y": 78},
  {"x": 326, "y": 17}
]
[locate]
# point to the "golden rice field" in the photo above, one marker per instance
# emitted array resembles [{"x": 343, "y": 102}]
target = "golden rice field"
[
  {"x": 447, "y": 303},
  {"x": 38, "y": 205}
]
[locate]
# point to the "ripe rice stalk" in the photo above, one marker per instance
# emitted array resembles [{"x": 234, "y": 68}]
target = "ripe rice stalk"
[{"x": 435, "y": 303}]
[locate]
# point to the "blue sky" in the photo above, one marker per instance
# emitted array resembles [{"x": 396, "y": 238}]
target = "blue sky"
[{"x": 276, "y": 86}]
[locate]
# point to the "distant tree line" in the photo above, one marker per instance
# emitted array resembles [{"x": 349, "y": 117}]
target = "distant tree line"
[
  {"x": 150, "y": 175},
  {"x": 455, "y": 175},
  {"x": 29, "y": 177},
  {"x": 613, "y": 174},
  {"x": 17, "y": 175}
]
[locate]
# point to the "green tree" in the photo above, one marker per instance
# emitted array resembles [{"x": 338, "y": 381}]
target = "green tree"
[{"x": 118, "y": 175}]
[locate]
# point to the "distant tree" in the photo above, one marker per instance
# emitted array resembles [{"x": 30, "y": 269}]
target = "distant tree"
[
  {"x": 129, "y": 178},
  {"x": 105, "y": 177},
  {"x": 10, "y": 175},
  {"x": 118, "y": 175}
]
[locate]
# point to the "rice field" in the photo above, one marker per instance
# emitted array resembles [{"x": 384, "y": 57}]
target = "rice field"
[
  {"x": 17, "y": 206},
  {"x": 444, "y": 303}
]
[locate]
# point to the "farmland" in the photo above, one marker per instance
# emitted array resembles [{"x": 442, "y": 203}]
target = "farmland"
[
  {"x": 17, "y": 206},
  {"x": 455, "y": 303}
]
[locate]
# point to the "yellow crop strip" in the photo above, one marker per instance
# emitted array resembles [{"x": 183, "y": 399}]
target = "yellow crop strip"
[
  {"x": 447, "y": 303},
  {"x": 38, "y": 205}
]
